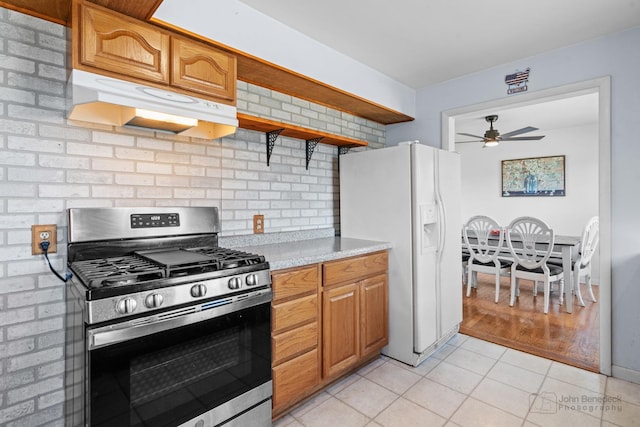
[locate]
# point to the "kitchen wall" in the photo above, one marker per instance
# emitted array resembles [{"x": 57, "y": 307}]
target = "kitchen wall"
[
  {"x": 616, "y": 55},
  {"x": 481, "y": 181},
  {"x": 48, "y": 165}
]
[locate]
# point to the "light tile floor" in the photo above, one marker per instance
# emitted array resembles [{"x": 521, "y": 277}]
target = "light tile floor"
[{"x": 470, "y": 382}]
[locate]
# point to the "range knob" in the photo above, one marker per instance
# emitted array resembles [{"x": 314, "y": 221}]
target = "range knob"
[
  {"x": 126, "y": 306},
  {"x": 198, "y": 290},
  {"x": 251, "y": 279},
  {"x": 234, "y": 283},
  {"x": 153, "y": 300}
]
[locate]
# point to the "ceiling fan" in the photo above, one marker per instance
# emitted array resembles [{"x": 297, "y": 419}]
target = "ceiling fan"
[{"x": 492, "y": 136}]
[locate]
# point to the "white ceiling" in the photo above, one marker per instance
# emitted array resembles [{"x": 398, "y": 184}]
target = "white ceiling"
[
  {"x": 562, "y": 113},
  {"x": 422, "y": 42}
]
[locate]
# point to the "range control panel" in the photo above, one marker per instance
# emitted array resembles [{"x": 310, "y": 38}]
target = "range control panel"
[{"x": 155, "y": 220}]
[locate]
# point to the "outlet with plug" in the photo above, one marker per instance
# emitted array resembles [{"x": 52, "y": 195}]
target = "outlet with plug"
[
  {"x": 258, "y": 224},
  {"x": 43, "y": 235}
]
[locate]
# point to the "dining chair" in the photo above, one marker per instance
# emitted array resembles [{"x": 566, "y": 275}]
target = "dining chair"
[
  {"x": 530, "y": 242},
  {"x": 484, "y": 237},
  {"x": 581, "y": 267}
]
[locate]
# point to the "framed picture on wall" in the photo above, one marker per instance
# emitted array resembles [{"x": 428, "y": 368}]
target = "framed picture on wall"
[{"x": 533, "y": 177}]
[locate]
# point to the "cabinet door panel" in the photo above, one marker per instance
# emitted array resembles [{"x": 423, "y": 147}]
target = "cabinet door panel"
[
  {"x": 352, "y": 269},
  {"x": 293, "y": 380},
  {"x": 114, "y": 43},
  {"x": 374, "y": 314},
  {"x": 295, "y": 341},
  {"x": 341, "y": 328},
  {"x": 292, "y": 313},
  {"x": 201, "y": 68}
]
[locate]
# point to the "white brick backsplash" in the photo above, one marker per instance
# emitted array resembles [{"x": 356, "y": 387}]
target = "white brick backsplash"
[
  {"x": 154, "y": 193},
  {"x": 134, "y": 179},
  {"x": 17, "y": 127},
  {"x": 63, "y": 162},
  {"x": 49, "y": 164},
  {"x": 17, "y": 379},
  {"x": 133, "y": 154},
  {"x": 28, "y": 329},
  {"x": 113, "y": 165},
  {"x": 33, "y": 390},
  {"x": 34, "y": 297},
  {"x": 63, "y": 190},
  {"x": 187, "y": 170},
  {"x": 24, "y": 65},
  {"x": 50, "y": 369},
  {"x": 30, "y": 205},
  {"x": 33, "y": 175},
  {"x": 112, "y": 191},
  {"x": 93, "y": 150},
  {"x": 34, "y": 144},
  {"x": 13, "y": 189},
  {"x": 92, "y": 177},
  {"x": 113, "y": 139},
  {"x": 28, "y": 51},
  {"x": 13, "y": 412}
]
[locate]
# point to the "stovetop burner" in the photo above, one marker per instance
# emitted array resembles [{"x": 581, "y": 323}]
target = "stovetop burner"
[
  {"x": 148, "y": 265},
  {"x": 116, "y": 271}
]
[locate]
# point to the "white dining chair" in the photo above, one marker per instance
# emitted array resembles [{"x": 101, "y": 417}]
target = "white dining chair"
[
  {"x": 484, "y": 237},
  {"x": 581, "y": 267},
  {"x": 530, "y": 242}
]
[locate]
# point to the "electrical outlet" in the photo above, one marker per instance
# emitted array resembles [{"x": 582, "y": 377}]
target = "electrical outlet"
[
  {"x": 43, "y": 233},
  {"x": 258, "y": 224}
]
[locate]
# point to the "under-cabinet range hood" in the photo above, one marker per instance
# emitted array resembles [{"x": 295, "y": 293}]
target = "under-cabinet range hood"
[{"x": 100, "y": 99}]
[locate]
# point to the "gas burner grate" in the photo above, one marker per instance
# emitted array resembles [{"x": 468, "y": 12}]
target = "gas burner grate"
[
  {"x": 230, "y": 258},
  {"x": 116, "y": 271}
]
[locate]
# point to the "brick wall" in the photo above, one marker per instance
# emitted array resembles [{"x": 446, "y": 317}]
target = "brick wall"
[{"x": 48, "y": 165}]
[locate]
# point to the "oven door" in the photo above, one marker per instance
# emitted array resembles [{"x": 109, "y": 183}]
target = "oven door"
[{"x": 208, "y": 367}]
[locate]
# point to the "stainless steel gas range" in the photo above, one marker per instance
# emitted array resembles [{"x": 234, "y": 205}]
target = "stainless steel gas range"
[{"x": 164, "y": 327}]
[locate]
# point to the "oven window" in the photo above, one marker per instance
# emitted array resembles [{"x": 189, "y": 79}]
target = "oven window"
[{"x": 170, "y": 377}]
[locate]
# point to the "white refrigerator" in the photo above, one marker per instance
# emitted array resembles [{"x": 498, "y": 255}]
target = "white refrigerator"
[{"x": 410, "y": 195}]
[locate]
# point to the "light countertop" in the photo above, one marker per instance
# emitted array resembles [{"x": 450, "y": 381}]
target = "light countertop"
[{"x": 303, "y": 252}]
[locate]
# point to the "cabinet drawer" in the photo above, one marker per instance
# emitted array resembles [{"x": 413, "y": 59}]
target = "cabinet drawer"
[
  {"x": 354, "y": 268},
  {"x": 295, "y": 341},
  {"x": 293, "y": 380},
  {"x": 294, "y": 282},
  {"x": 296, "y": 312}
]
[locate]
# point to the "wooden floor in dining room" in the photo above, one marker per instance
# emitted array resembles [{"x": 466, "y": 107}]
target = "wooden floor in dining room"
[{"x": 567, "y": 338}]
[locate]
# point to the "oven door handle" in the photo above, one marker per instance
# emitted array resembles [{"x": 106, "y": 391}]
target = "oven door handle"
[{"x": 120, "y": 332}]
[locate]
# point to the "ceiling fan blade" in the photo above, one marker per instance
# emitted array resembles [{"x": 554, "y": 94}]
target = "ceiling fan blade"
[
  {"x": 518, "y": 132},
  {"x": 523, "y": 138},
  {"x": 475, "y": 140},
  {"x": 473, "y": 136}
]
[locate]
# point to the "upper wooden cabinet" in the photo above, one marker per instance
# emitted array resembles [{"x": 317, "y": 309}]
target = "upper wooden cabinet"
[
  {"x": 197, "y": 67},
  {"x": 119, "y": 44},
  {"x": 110, "y": 43}
]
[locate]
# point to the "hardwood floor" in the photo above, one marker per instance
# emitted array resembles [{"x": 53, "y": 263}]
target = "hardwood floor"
[{"x": 568, "y": 338}]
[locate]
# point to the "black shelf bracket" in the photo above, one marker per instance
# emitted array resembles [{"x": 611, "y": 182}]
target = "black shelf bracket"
[
  {"x": 271, "y": 141},
  {"x": 344, "y": 149},
  {"x": 311, "y": 145}
]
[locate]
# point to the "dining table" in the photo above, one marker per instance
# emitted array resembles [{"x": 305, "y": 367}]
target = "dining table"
[{"x": 565, "y": 249}]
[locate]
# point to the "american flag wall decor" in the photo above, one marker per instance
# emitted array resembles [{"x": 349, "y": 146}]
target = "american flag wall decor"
[{"x": 517, "y": 81}]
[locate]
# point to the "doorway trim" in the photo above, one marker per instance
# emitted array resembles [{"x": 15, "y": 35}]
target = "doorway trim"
[{"x": 602, "y": 86}]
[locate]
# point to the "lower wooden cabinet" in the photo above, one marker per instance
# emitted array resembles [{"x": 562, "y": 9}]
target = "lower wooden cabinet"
[
  {"x": 340, "y": 329},
  {"x": 327, "y": 319},
  {"x": 295, "y": 335},
  {"x": 294, "y": 379},
  {"x": 374, "y": 314}
]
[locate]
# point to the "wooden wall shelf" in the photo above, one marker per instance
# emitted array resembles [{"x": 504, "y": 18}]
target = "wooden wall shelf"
[{"x": 273, "y": 129}]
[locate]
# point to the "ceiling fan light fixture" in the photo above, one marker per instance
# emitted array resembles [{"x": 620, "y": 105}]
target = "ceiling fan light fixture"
[{"x": 491, "y": 143}]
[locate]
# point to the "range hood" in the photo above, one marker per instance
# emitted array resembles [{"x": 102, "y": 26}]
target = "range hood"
[{"x": 100, "y": 99}]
